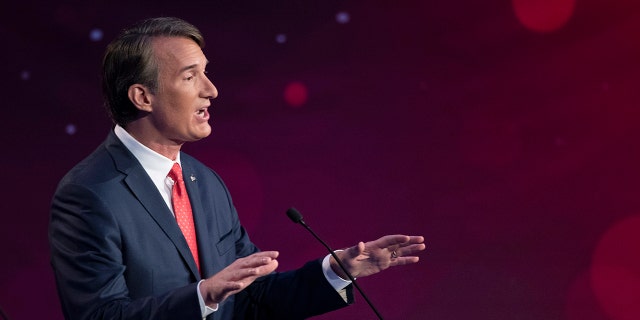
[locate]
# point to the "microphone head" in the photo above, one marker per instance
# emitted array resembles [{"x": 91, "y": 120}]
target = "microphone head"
[{"x": 294, "y": 215}]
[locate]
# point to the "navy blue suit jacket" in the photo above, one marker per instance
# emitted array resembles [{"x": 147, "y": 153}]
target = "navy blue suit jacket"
[{"x": 118, "y": 253}]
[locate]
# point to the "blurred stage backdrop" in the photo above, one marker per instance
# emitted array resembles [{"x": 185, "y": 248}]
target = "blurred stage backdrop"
[{"x": 505, "y": 132}]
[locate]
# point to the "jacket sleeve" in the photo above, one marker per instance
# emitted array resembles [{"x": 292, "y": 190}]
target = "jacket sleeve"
[
  {"x": 86, "y": 256},
  {"x": 297, "y": 294}
]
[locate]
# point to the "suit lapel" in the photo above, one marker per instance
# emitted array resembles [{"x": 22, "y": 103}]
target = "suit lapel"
[
  {"x": 199, "y": 218},
  {"x": 146, "y": 192}
]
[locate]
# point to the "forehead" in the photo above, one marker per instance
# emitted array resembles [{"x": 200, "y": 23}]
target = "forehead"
[{"x": 177, "y": 52}]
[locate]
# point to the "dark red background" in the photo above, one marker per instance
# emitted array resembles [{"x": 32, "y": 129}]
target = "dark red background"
[{"x": 505, "y": 132}]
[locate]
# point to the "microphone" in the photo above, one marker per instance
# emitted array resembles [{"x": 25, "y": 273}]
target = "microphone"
[{"x": 296, "y": 217}]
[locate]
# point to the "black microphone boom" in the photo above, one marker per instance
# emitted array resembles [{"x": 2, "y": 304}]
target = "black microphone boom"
[{"x": 296, "y": 217}]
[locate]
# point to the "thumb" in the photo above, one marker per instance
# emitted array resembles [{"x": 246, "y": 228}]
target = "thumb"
[{"x": 355, "y": 250}]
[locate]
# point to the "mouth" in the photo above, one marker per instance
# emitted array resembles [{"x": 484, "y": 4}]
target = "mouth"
[{"x": 203, "y": 113}]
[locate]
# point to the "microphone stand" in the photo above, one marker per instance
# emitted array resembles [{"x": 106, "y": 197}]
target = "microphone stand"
[{"x": 296, "y": 217}]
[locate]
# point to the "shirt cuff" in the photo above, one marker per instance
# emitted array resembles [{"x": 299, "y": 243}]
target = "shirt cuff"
[
  {"x": 334, "y": 280},
  {"x": 204, "y": 309}
]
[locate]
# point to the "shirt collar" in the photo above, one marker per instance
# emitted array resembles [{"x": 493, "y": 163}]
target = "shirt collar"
[{"x": 156, "y": 165}]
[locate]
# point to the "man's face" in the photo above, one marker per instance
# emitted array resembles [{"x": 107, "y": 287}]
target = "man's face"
[{"x": 180, "y": 104}]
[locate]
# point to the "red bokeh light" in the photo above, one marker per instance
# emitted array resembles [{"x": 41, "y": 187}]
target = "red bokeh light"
[
  {"x": 296, "y": 94},
  {"x": 543, "y": 15},
  {"x": 615, "y": 270},
  {"x": 581, "y": 301}
]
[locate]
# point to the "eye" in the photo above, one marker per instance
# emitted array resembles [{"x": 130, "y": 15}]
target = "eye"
[{"x": 189, "y": 78}]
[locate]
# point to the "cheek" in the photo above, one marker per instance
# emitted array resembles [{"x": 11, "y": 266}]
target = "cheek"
[{"x": 178, "y": 108}]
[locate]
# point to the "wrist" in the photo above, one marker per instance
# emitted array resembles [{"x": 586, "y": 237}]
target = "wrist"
[
  {"x": 335, "y": 266},
  {"x": 207, "y": 295}
]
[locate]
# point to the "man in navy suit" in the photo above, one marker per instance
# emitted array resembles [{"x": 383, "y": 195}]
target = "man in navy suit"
[{"x": 117, "y": 250}]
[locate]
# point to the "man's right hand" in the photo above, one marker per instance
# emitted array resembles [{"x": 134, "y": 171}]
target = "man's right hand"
[{"x": 237, "y": 276}]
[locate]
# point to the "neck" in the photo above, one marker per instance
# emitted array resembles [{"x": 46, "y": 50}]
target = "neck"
[{"x": 155, "y": 142}]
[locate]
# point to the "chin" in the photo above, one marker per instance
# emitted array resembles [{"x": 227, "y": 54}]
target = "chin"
[{"x": 202, "y": 135}]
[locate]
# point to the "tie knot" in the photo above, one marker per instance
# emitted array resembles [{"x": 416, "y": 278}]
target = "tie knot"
[{"x": 176, "y": 172}]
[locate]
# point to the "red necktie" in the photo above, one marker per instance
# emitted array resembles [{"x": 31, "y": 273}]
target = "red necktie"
[{"x": 182, "y": 210}]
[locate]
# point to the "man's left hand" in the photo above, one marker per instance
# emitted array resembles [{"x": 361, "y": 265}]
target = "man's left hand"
[{"x": 371, "y": 257}]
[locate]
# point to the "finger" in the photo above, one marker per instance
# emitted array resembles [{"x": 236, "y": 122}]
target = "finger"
[
  {"x": 265, "y": 269},
  {"x": 410, "y": 249},
  {"x": 258, "y": 259},
  {"x": 392, "y": 240},
  {"x": 353, "y": 252},
  {"x": 265, "y": 254},
  {"x": 361, "y": 247},
  {"x": 247, "y": 275},
  {"x": 401, "y": 261},
  {"x": 412, "y": 240},
  {"x": 416, "y": 239}
]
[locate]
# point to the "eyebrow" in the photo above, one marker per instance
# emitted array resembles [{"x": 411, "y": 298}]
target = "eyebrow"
[{"x": 193, "y": 66}]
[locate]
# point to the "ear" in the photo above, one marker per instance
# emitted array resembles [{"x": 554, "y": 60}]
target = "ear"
[{"x": 141, "y": 97}]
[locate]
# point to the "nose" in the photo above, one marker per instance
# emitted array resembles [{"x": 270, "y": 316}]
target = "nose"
[{"x": 210, "y": 91}]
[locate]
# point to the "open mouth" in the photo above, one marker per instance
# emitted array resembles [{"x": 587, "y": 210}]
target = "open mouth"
[{"x": 203, "y": 113}]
